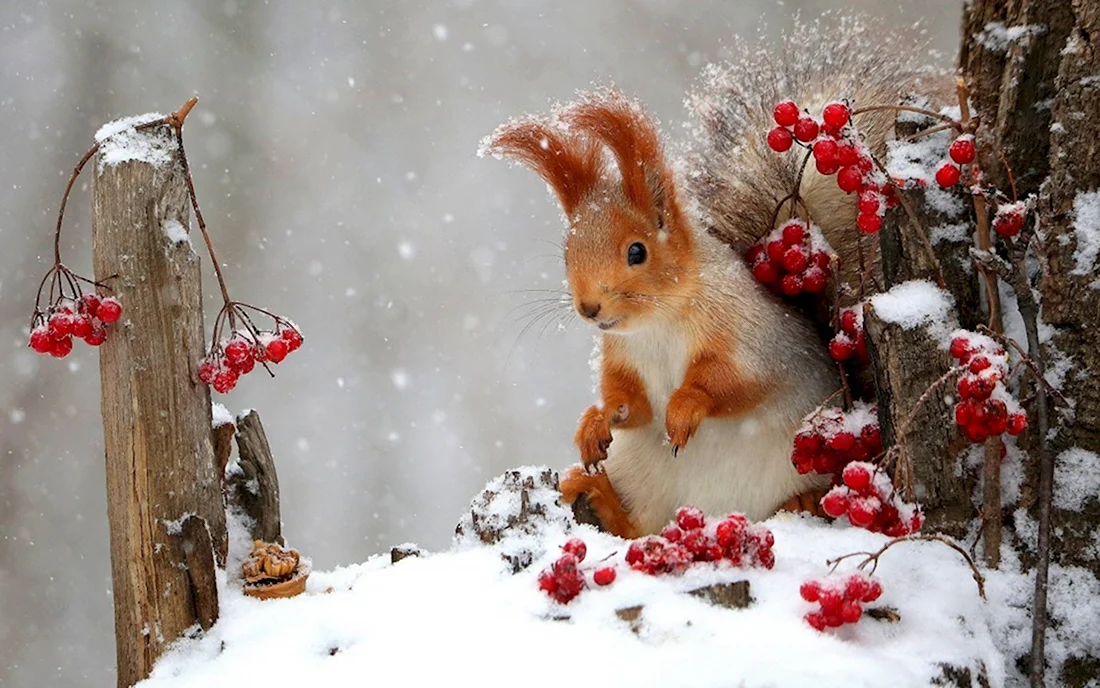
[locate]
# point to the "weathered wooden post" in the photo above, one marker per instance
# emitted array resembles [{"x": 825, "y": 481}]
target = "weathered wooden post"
[{"x": 164, "y": 497}]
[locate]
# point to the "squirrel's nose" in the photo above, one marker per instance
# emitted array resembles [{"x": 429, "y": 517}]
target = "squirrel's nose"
[{"x": 589, "y": 310}]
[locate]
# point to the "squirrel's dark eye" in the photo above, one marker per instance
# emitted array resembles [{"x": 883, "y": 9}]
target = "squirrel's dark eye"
[{"x": 635, "y": 255}]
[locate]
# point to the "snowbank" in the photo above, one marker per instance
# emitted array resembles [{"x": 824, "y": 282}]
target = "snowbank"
[{"x": 460, "y": 617}]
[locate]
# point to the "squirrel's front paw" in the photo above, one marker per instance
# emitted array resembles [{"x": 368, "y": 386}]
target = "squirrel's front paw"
[
  {"x": 686, "y": 410},
  {"x": 593, "y": 436}
]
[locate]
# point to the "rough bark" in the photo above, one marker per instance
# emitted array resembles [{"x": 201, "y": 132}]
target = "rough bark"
[
  {"x": 907, "y": 362},
  {"x": 254, "y": 489},
  {"x": 156, "y": 414}
]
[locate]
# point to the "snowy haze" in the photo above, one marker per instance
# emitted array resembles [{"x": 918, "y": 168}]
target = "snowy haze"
[{"x": 333, "y": 148}]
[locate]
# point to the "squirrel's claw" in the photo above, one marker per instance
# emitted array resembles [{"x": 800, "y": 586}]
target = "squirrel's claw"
[
  {"x": 686, "y": 410},
  {"x": 593, "y": 436}
]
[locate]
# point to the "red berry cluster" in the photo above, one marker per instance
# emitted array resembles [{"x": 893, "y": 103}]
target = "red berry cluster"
[
  {"x": 52, "y": 332},
  {"x": 850, "y": 340},
  {"x": 837, "y": 149},
  {"x": 985, "y": 408},
  {"x": 830, "y": 439},
  {"x": 792, "y": 259},
  {"x": 564, "y": 580},
  {"x": 841, "y": 602},
  {"x": 226, "y": 362},
  {"x": 962, "y": 152},
  {"x": 1009, "y": 219},
  {"x": 690, "y": 539},
  {"x": 868, "y": 498}
]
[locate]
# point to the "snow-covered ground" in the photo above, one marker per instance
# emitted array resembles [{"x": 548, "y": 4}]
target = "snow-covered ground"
[{"x": 460, "y": 617}]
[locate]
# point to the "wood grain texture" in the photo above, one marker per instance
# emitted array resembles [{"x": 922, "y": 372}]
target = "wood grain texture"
[
  {"x": 254, "y": 489},
  {"x": 156, "y": 413}
]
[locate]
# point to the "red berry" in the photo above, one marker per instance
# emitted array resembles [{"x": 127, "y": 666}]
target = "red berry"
[
  {"x": 785, "y": 113},
  {"x": 856, "y": 476},
  {"x": 780, "y": 139},
  {"x": 959, "y": 346},
  {"x": 849, "y": 179},
  {"x": 962, "y": 150},
  {"x": 1017, "y": 423},
  {"x": 849, "y": 321},
  {"x": 822, "y": 260},
  {"x": 830, "y": 600},
  {"x": 225, "y": 379},
  {"x": 1008, "y": 224},
  {"x": 635, "y": 553},
  {"x": 292, "y": 337},
  {"x": 861, "y": 512},
  {"x": 690, "y": 518},
  {"x": 805, "y": 441},
  {"x": 61, "y": 347},
  {"x": 835, "y": 115},
  {"x": 835, "y": 504},
  {"x": 871, "y": 436},
  {"x": 89, "y": 304},
  {"x": 869, "y": 223},
  {"x": 548, "y": 583},
  {"x": 109, "y": 310},
  {"x": 841, "y": 348},
  {"x": 97, "y": 336},
  {"x": 565, "y": 565},
  {"x": 41, "y": 340},
  {"x": 873, "y": 592},
  {"x": 825, "y": 151},
  {"x": 805, "y": 129},
  {"x": 60, "y": 325},
  {"x": 846, "y": 154},
  {"x": 948, "y": 175},
  {"x": 795, "y": 259},
  {"x": 963, "y": 413},
  {"x": 827, "y": 167},
  {"x": 775, "y": 250},
  {"x": 793, "y": 234},
  {"x": 856, "y": 587},
  {"x": 730, "y": 533},
  {"x": 841, "y": 441},
  {"x": 576, "y": 547},
  {"x": 813, "y": 280},
  {"x": 816, "y": 620},
  {"x": 275, "y": 350},
  {"x": 672, "y": 533},
  {"x": 82, "y": 326},
  {"x": 979, "y": 363},
  {"x": 850, "y": 611},
  {"x": 810, "y": 591},
  {"x": 239, "y": 353},
  {"x": 765, "y": 272},
  {"x": 604, "y": 575},
  {"x": 791, "y": 285},
  {"x": 207, "y": 370},
  {"x": 868, "y": 203}
]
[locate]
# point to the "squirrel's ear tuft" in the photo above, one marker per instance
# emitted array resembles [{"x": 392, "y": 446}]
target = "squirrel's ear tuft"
[
  {"x": 569, "y": 164},
  {"x": 632, "y": 137}
]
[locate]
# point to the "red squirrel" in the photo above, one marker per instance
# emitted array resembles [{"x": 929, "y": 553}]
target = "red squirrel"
[{"x": 705, "y": 376}]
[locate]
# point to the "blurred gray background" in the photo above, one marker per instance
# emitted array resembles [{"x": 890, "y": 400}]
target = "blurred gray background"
[{"x": 333, "y": 147}]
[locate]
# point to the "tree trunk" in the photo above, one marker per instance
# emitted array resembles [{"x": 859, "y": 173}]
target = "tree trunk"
[{"x": 156, "y": 413}]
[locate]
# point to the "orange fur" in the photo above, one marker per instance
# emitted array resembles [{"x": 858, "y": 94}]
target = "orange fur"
[
  {"x": 810, "y": 502},
  {"x": 714, "y": 386},
  {"x": 625, "y": 405},
  {"x": 603, "y": 499},
  {"x": 569, "y": 164}
]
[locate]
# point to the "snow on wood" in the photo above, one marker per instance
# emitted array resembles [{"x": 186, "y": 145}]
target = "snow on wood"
[
  {"x": 119, "y": 141},
  {"x": 914, "y": 304}
]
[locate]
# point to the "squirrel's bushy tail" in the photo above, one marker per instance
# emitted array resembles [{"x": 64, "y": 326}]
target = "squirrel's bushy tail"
[{"x": 736, "y": 180}]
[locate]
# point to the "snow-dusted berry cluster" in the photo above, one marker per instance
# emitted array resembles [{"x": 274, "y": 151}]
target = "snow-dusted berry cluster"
[
  {"x": 850, "y": 339},
  {"x": 831, "y": 438},
  {"x": 962, "y": 152},
  {"x": 985, "y": 408},
  {"x": 868, "y": 498},
  {"x": 238, "y": 355},
  {"x": 838, "y": 149},
  {"x": 839, "y": 601},
  {"x": 690, "y": 539},
  {"x": 564, "y": 580},
  {"x": 792, "y": 259},
  {"x": 84, "y": 318}
]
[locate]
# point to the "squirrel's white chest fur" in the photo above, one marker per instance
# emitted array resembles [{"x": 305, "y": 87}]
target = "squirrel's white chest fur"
[{"x": 737, "y": 464}]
